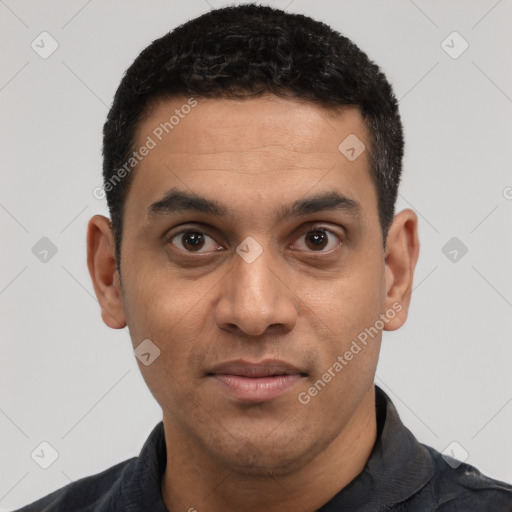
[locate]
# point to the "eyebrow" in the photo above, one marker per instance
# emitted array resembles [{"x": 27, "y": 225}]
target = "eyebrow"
[{"x": 178, "y": 201}]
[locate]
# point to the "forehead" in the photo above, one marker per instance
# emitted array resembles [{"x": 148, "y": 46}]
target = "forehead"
[
  {"x": 266, "y": 120},
  {"x": 266, "y": 149}
]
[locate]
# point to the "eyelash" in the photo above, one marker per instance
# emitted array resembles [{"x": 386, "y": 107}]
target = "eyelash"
[{"x": 310, "y": 230}]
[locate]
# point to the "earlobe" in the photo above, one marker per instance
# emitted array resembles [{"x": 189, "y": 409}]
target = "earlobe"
[
  {"x": 101, "y": 261},
  {"x": 402, "y": 251}
]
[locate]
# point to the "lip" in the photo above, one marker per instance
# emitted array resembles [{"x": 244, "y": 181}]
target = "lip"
[{"x": 256, "y": 382}]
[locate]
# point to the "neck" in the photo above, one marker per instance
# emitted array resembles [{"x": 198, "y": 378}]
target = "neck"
[{"x": 194, "y": 482}]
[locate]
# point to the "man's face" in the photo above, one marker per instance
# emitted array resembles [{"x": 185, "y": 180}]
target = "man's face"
[{"x": 244, "y": 334}]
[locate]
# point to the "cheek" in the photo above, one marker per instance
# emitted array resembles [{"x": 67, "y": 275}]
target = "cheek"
[
  {"x": 348, "y": 344},
  {"x": 344, "y": 313},
  {"x": 165, "y": 308},
  {"x": 349, "y": 303},
  {"x": 172, "y": 313}
]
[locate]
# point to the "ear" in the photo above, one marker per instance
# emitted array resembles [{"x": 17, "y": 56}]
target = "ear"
[
  {"x": 402, "y": 251},
  {"x": 101, "y": 260}
]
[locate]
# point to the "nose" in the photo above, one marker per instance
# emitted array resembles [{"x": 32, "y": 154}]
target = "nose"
[{"x": 255, "y": 297}]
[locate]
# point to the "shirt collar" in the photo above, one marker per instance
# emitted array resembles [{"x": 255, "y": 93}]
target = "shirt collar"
[
  {"x": 141, "y": 484},
  {"x": 398, "y": 467}
]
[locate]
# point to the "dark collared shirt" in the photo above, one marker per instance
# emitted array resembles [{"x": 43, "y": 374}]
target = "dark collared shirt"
[{"x": 401, "y": 475}]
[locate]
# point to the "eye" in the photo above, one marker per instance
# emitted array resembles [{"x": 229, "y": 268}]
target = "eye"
[
  {"x": 319, "y": 240},
  {"x": 192, "y": 240}
]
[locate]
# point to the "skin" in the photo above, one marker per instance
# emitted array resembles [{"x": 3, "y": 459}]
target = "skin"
[{"x": 296, "y": 302}]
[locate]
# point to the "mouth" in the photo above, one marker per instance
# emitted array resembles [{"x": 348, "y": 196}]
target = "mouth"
[{"x": 256, "y": 382}]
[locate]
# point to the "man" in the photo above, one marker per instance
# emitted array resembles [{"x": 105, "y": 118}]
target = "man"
[{"x": 251, "y": 165}]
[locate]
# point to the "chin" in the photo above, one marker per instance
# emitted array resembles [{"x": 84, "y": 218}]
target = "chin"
[
  {"x": 253, "y": 463},
  {"x": 264, "y": 454}
]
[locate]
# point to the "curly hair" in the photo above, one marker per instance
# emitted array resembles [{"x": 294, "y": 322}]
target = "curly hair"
[{"x": 246, "y": 51}]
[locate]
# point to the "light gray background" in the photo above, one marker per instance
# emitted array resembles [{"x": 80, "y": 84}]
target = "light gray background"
[{"x": 69, "y": 380}]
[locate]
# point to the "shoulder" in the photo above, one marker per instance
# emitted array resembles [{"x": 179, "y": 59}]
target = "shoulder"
[
  {"x": 459, "y": 486},
  {"x": 85, "y": 495}
]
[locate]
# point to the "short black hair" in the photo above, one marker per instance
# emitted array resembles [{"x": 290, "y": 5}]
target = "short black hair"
[{"x": 246, "y": 51}]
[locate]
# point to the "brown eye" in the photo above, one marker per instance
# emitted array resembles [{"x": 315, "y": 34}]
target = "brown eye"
[
  {"x": 318, "y": 240},
  {"x": 193, "y": 241}
]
